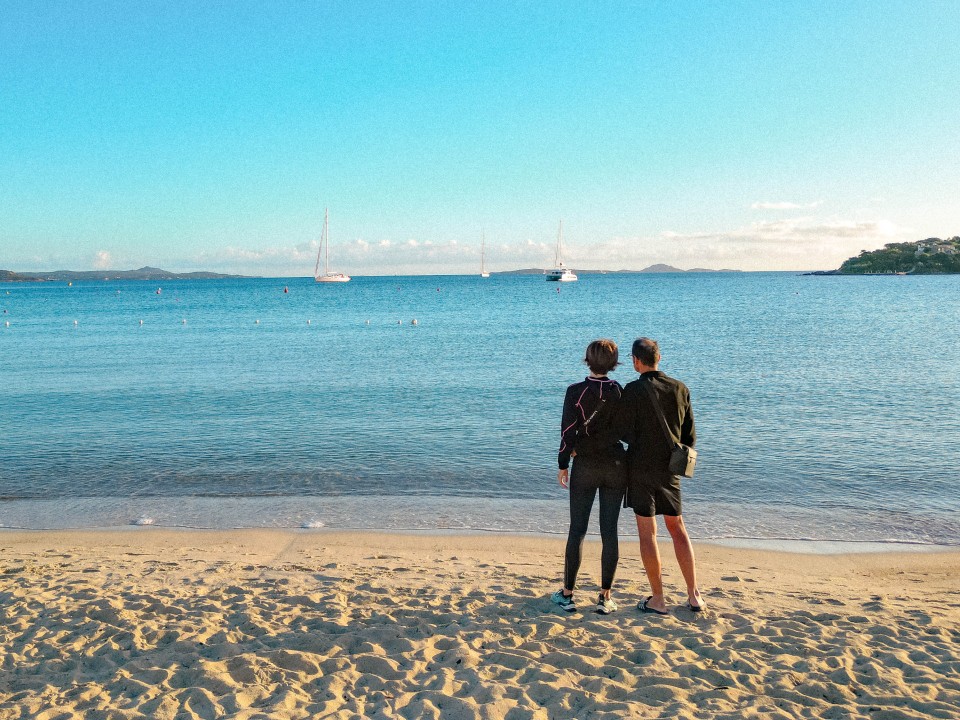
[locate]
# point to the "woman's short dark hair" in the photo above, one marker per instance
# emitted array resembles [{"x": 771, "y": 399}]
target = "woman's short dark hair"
[
  {"x": 646, "y": 351},
  {"x": 602, "y": 356}
]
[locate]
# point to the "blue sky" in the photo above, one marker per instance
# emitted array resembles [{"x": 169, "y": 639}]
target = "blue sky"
[{"x": 749, "y": 135}]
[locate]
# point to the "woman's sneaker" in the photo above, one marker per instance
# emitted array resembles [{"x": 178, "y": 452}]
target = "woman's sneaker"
[
  {"x": 606, "y": 605},
  {"x": 564, "y": 601}
]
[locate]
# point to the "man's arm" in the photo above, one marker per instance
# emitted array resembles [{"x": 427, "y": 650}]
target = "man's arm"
[
  {"x": 625, "y": 418},
  {"x": 688, "y": 431}
]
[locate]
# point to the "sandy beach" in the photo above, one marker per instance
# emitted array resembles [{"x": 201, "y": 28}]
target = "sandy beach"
[{"x": 159, "y": 623}]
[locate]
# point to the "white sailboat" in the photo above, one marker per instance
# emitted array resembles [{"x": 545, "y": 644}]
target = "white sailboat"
[
  {"x": 483, "y": 247},
  {"x": 560, "y": 272},
  {"x": 324, "y": 250}
]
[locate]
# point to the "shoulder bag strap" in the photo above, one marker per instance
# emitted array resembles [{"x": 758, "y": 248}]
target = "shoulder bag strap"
[
  {"x": 648, "y": 386},
  {"x": 593, "y": 416}
]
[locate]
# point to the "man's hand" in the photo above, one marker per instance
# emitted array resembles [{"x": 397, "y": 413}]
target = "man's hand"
[{"x": 563, "y": 477}]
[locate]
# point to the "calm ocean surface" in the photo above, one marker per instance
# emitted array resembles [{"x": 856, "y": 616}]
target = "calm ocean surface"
[{"x": 827, "y": 408}]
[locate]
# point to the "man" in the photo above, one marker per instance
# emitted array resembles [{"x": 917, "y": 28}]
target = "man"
[{"x": 652, "y": 489}]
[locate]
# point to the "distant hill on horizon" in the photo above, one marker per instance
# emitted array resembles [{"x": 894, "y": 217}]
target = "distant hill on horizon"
[
  {"x": 658, "y": 268},
  {"x": 157, "y": 274},
  {"x": 144, "y": 273}
]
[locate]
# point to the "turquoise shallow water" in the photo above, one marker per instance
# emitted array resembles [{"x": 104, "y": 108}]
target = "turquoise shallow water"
[{"x": 827, "y": 408}]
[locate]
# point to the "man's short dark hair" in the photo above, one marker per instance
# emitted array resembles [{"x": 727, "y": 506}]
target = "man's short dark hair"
[
  {"x": 646, "y": 351},
  {"x": 602, "y": 356}
]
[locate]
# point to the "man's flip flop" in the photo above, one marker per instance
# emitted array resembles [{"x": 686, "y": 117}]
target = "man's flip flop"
[
  {"x": 694, "y": 608},
  {"x": 643, "y": 607}
]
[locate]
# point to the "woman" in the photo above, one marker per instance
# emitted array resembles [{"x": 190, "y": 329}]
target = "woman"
[{"x": 589, "y": 432}]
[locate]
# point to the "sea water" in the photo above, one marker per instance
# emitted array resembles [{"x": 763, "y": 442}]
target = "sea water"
[{"x": 827, "y": 408}]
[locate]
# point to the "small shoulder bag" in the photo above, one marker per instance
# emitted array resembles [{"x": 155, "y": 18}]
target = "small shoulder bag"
[{"x": 683, "y": 458}]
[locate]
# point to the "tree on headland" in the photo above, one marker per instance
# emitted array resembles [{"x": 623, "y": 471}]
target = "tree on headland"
[{"x": 932, "y": 256}]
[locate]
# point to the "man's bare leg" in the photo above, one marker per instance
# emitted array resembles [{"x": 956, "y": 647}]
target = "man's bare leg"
[
  {"x": 685, "y": 558},
  {"x": 650, "y": 554}
]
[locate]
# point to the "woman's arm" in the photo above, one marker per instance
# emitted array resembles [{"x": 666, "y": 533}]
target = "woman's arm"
[{"x": 569, "y": 425}]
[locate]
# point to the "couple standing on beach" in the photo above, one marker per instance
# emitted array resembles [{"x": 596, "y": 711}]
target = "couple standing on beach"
[{"x": 597, "y": 415}]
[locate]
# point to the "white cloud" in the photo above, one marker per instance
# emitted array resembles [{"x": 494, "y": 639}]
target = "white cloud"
[
  {"x": 766, "y": 205},
  {"x": 791, "y": 244},
  {"x": 805, "y": 242},
  {"x": 102, "y": 260}
]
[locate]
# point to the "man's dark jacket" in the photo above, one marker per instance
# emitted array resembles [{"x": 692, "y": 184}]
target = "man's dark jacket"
[{"x": 648, "y": 449}]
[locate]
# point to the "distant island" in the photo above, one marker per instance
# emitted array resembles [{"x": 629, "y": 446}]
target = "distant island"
[
  {"x": 144, "y": 273},
  {"x": 932, "y": 256},
  {"x": 658, "y": 268},
  {"x": 156, "y": 274}
]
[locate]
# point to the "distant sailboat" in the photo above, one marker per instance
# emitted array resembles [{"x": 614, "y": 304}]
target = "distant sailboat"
[
  {"x": 324, "y": 250},
  {"x": 483, "y": 247},
  {"x": 560, "y": 272}
]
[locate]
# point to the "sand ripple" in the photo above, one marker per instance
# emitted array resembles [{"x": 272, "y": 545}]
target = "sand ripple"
[{"x": 280, "y": 625}]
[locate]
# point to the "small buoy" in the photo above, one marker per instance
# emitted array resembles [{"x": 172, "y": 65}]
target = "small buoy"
[
  {"x": 183, "y": 321},
  {"x": 308, "y": 322},
  {"x": 368, "y": 322},
  {"x": 7, "y": 323},
  {"x": 159, "y": 290},
  {"x": 69, "y": 284},
  {"x": 438, "y": 289},
  {"x": 75, "y": 323},
  {"x": 414, "y": 322},
  {"x": 141, "y": 322},
  {"x": 558, "y": 291},
  {"x": 399, "y": 322},
  {"x": 256, "y": 322},
  {"x": 285, "y": 289}
]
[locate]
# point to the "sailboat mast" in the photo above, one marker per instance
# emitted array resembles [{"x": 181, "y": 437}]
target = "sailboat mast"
[
  {"x": 323, "y": 237},
  {"x": 326, "y": 245},
  {"x": 559, "y": 258}
]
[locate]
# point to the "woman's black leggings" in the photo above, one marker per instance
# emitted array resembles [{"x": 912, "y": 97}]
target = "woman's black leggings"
[{"x": 581, "y": 503}]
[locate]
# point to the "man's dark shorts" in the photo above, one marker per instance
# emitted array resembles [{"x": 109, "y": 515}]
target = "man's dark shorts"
[{"x": 651, "y": 494}]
